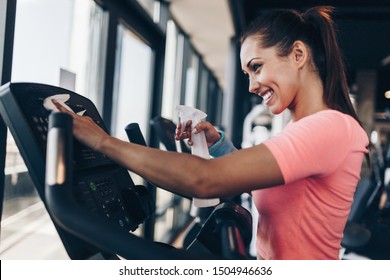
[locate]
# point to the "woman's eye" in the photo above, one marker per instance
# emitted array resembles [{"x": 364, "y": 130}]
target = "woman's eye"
[{"x": 255, "y": 67}]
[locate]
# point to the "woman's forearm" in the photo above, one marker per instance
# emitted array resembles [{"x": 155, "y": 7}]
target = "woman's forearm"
[
  {"x": 193, "y": 176},
  {"x": 163, "y": 168}
]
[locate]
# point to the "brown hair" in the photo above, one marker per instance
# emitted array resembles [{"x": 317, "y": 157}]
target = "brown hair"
[{"x": 315, "y": 27}]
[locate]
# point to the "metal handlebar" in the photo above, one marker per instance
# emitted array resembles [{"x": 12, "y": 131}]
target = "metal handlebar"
[{"x": 76, "y": 220}]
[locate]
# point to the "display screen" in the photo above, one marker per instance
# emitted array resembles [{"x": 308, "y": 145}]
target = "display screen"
[{"x": 36, "y": 105}]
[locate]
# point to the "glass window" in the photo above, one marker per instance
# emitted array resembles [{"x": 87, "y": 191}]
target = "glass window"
[
  {"x": 132, "y": 99},
  {"x": 180, "y": 73},
  {"x": 192, "y": 81},
  {"x": 204, "y": 78},
  {"x": 52, "y": 38},
  {"x": 170, "y": 76},
  {"x": 212, "y": 101},
  {"x": 132, "y": 96}
]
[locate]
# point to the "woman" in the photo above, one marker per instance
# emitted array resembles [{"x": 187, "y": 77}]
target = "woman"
[{"x": 303, "y": 179}]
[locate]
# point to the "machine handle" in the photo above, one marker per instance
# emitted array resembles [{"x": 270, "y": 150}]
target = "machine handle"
[
  {"x": 134, "y": 134},
  {"x": 232, "y": 243},
  {"x": 59, "y": 150},
  {"x": 227, "y": 232},
  {"x": 76, "y": 220}
]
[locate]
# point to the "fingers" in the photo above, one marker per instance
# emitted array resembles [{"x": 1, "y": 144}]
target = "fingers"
[
  {"x": 58, "y": 105},
  {"x": 188, "y": 126},
  {"x": 178, "y": 131},
  {"x": 184, "y": 132},
  {"x": 201, "y": 126},
  {"x": 62, "y": 108},
  {"x": 188, "y": 131}
]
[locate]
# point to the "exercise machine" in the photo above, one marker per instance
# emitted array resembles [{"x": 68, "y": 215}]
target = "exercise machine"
[
  {"x": 93, "y": 201},
  {"x": 363, "y": 225}
]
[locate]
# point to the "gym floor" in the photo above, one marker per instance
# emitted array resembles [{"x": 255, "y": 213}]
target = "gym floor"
[{"x": 29, "y": 233}]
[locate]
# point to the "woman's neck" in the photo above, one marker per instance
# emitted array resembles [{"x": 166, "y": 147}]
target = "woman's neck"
[{"x": 309, "y": 100}]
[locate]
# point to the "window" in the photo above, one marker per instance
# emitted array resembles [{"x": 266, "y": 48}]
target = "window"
[
  {"x": 192, "y": 80},
  {"x": 132, "y": 96},
  {"x": 64, "y": 43},
  {"x": 54, "y": 40},
  {"x": 170, "y": 95},
  {"x": 59, "y": 37}
]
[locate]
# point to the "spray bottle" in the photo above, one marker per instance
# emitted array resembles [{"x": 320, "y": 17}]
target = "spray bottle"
[{"x": 199, "y": 147}]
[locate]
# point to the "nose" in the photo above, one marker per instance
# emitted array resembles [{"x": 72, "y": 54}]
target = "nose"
[{"x": 254, "y": 85}]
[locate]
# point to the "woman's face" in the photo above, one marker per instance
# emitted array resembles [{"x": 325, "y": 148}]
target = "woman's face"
[{"x": 272, "y": 77}]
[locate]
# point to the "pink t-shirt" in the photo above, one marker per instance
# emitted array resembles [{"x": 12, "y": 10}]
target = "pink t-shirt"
[{"x": 320, "y": 157}]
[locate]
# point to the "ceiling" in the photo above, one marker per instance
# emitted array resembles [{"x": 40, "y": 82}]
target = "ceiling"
[
  {"x": 364, "y": 27},
  {"x": 209, "y": 25}
]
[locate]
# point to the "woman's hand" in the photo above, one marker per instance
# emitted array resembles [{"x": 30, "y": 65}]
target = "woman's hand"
[
  {"x": 209, "y": 130},
  {"x": 85, "y": 129}
]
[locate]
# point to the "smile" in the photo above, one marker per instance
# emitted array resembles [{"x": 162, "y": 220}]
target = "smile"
[{"x": 267, "y": 95}]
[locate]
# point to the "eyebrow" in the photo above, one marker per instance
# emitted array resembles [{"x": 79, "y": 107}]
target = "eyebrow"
[{"x": 250, "y": 61}]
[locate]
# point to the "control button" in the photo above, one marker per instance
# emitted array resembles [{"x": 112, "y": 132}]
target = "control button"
[{"x": 92, "y": 186}]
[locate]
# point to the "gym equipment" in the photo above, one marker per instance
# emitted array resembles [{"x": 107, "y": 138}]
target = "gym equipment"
[
  {"x": 357, "y": 232},
  {"x": 165, "y": 130},
  {"x": 93, "y": 201}
]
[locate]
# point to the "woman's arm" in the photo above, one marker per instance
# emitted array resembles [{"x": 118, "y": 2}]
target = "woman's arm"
[{"x": 238, "y": 172}]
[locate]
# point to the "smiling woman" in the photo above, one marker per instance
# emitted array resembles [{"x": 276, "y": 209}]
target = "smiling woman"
[
  {"x": 137, "y": 60},
  {"x": 303, "y": 179},
  {"x": 294, "y": 62}
]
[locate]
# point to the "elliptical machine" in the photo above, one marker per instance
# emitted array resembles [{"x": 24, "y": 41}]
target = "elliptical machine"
[
  {"x": 225, "y": 234},
  {"x": 92, "y": 201}
]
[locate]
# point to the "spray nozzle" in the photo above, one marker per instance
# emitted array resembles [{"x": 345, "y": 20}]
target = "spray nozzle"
[{"x": 187, "y": 113}]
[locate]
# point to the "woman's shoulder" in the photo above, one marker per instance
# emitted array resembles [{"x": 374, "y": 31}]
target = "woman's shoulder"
[
  {"x": 331, "y": 117},
  {"x": 328, "y": 113},
  {"x": 333, "y": 122}
]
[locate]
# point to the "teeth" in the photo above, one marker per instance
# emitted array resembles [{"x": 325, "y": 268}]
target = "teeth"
[{"x": 268, "y": 95}]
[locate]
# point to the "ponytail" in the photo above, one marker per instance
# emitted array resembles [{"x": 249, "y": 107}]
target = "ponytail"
[{"x": 330, "y": 63}]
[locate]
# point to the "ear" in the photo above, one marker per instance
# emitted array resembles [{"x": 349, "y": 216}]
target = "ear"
[{"x": 299, "y": 53}]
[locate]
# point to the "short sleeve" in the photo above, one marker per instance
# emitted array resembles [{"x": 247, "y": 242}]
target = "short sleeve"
[{"x": 316, "y": 145}]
